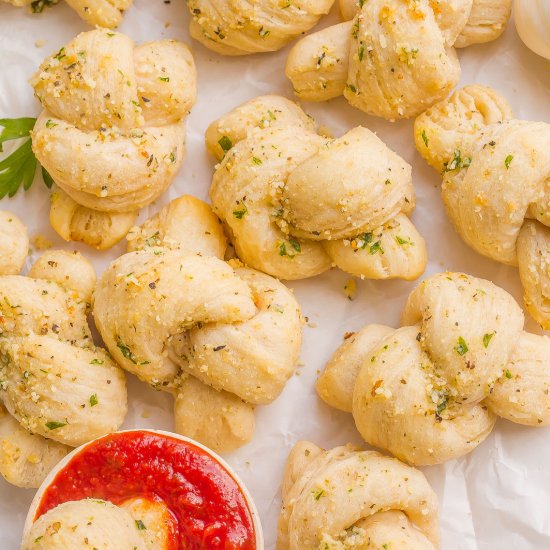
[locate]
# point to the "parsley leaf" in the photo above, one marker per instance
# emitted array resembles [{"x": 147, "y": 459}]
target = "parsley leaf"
[
  {"x": 15, "y": 128},
  {"x": 16, "y": 169},
  {"x": 19, "y": 167},
  {"x": 48, "y": 180}
]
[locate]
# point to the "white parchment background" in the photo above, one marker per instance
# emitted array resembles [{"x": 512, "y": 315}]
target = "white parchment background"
[{"x": 498, "y": 496}]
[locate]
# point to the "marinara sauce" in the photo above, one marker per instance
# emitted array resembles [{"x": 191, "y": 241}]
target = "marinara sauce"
[{"x": 208, "y": 506}]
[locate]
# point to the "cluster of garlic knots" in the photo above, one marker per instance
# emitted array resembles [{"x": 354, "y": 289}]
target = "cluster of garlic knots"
[
  {"x": 432, "y": 390},
  {"x": 495, "y": 183},
  {"x": 222, "y": 338},
  {"x": 345, "y": 499},
  {"x": 393, "y": 58},
  {"x": 244, "y": 27},
  {"x": 103, "y": 13},
  {"x": 112, "y": 133},
  {"x": 57, "y": 389},
  {"x": 296, "y": 203}
]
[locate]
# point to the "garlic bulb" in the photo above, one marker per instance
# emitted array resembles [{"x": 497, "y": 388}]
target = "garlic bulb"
[{"x": 532, "y": 19}]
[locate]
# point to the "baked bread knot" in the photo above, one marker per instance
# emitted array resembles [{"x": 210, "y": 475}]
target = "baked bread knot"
[
  {"x": 431, "y": 390},
  {"x": 495, "y": 183},
  {"x": 14, "y": 245},
  {"x": 102, "y": 13},
  {"x": 296, "y": 203},
  {"x": 137, "y": 523},
  {"x": 59, "y": 389},
  {"x": 347, "y": 498},
  {"x": 242, "y": 27},
  {"x": 222, "y": 338},
  {"x": 112, "y": 132},
  {"x": 393, "y": 58}
]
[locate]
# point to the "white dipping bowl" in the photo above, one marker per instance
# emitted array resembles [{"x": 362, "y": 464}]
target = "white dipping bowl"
[{"x": 70, "y": 457}]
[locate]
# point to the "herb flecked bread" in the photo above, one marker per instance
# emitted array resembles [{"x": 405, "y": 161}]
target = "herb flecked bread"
[
  {"x": 345, "y": 498},
  {"x": 112, "y": 133},
  {"x": 95, "y": 524},
  {"x": 57, "y": 389},
  {"x": 296, "y": 203},
  {"x": 244, "y": 27},
  {"x": 432, "y": 390},
  {"x": 393, "y": 58},
  {"x": 495, "y": 183},
  {"x": 222, "y": 338},
  {"x": 103, "y": 13},
  {"x": 14, "y": 245}
]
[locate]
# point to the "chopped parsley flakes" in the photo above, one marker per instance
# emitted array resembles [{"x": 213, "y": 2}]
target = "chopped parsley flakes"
[
  {"x": 457, "y": 162},
  {"x": 53, "y": 425},
  {"x": 487, "y": 339},
  {"x": 225, "y": 143},
  {"x": 461, "y": 347}
]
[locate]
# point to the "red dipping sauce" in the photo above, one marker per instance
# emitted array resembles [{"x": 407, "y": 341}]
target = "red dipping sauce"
[{"x": 209, "y": 508}]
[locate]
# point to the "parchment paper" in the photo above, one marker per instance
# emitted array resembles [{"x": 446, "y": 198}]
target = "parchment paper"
[{"x": 498, "y": 496}]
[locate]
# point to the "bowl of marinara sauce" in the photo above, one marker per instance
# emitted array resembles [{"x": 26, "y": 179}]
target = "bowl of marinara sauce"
[{"x": 183, "y": 489}]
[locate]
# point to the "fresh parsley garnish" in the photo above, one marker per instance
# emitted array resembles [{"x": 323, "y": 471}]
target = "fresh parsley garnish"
[{"x": 19, "y": 167}]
